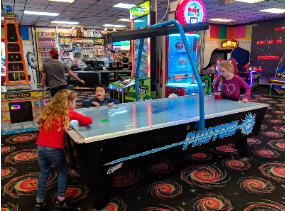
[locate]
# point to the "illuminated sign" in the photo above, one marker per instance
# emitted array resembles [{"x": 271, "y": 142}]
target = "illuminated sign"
[
  {"x": 260, "y": 42},
  {"x": 15, "y": 107},
  {"x": 17, "y": 95},
  {"x": 230, "y": 44},
  {"x": 190, "y": 11},
  {"x": 268, "y": 57},
  {"x": 179, "y": 45},
  {"x": 268, "y": 42},
  {"x": 140, "y": 10},
  {"x": 280, "y": 28},
  {"x": 182, "y": 62}
]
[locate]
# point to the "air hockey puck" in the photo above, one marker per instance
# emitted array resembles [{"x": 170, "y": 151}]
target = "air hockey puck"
[{"x": 105, "y": 120}]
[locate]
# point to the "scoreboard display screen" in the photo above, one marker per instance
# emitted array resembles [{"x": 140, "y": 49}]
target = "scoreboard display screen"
[{"x": 267, "y": 47}]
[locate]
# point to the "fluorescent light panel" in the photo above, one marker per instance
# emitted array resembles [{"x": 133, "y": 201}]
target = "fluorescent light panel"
[
  {"x": 66, "y": 1},
  {"x": 274, "y": 10},
  {"x": 111, "y": 25},
  {"x": 124, "y": 6},
  {"x": 65, "y": 22},
  {"x": 221, "y": 19},
  {"x": 250, "y": 1},
  {"x": 41, "y": 13},
  {"x": 124, "y": 20}
]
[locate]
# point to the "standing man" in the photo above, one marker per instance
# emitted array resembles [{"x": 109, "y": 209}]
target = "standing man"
[{"x": 53, "y": 72}]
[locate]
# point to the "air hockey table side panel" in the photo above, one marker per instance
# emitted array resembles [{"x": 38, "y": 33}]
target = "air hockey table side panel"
[
  {"x": 133, "y": 118},
  {"x": 93, "y": 157}
]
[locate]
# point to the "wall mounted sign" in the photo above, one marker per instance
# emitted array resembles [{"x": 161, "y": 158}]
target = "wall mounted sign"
[
  {"x": 140, "y": 10},
  {"x": 230, "y": 44},
  {"x": 190, "y": 12},
  {"x": 18, "y": 95}
]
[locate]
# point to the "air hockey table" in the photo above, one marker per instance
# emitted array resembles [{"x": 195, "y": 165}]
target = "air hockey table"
[{"x": 142, "y": 134}]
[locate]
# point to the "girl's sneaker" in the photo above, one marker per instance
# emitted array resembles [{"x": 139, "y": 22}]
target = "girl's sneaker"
[
  {"x": 40, "y": 206},
  {"x": 65, "y": 204}
]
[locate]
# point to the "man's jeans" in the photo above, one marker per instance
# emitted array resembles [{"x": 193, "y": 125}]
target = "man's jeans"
[{"x": 46, "y": 157}]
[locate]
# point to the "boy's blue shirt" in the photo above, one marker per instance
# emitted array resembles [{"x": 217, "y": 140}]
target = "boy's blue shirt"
[{"x": 105, "y": 102}]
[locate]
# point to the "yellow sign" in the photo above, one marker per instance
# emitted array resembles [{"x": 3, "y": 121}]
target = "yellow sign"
[
  {"x": 22, "y": 95},
  {"x": 230, "y": 44}
]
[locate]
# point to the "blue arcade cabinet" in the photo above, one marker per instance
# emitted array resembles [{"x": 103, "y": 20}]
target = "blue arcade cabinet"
[{"x": 180, "y": 77}]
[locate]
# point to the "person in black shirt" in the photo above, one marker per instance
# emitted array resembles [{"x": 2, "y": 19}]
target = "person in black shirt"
[{"x": 125, "y": 60}]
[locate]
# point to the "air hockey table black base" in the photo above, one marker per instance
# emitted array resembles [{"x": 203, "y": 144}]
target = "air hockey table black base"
[{"x": 106, "y": 159}]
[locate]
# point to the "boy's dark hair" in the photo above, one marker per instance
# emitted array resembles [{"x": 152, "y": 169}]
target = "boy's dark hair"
[
  {"x": 124, "y": 54},
  {"x": 55, "y": 56},
  {"x": 102, "y": 86}
]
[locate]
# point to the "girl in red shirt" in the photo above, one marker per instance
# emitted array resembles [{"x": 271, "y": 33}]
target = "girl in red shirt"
[{"x": 53, "y": 121}]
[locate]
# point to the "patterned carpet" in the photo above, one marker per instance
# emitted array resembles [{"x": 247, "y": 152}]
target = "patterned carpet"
[{"x": 206, "y": 181}]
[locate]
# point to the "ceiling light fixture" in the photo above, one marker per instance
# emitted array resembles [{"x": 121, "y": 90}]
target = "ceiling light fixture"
[
  {"x": 65, "y": 22},
  {"x": 112, "y": 25},
  {"x": 221, "y": 20},
  {"x": 124, "y": 6},
  {"x": 274, "y": 10},
  {"x": 65, "y": 1},
  {"x": 124, "y": 19},
  {"x": 41, "y": 13},
  {"x": 250, "y": 1}
]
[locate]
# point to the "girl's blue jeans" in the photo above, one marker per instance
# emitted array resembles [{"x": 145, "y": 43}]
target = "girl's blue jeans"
[{"x": 46, "y": 157}]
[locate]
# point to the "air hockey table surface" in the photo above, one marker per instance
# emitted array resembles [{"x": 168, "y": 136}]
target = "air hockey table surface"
[{"x": 131, "y": 118}]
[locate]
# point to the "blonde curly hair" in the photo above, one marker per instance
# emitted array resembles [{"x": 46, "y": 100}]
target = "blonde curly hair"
[
  {"x": 57, "y": 108},
  {"x": 227, "y": 65}
]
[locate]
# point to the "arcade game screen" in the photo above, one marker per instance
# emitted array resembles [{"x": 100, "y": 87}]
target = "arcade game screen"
[
  {"x": 267, "y": 47},
  {"x": 179, "y": 69}
]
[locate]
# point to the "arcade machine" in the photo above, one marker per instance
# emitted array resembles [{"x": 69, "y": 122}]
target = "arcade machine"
[
  {"x": 119, "y": 89},
  {"x": 239, "y": 57},
  {"x": 21, "y": 101},
  {"x": 278, "y": 82},
  {"x": 180, "y": 78},
  {"x": 174, "y": 73},
  {"x": 3, "y": 66},
  {"x": 141, "y": 16}
]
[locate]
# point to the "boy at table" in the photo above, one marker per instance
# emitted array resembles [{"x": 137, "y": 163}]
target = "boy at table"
[{"x": 101, "y": 99}]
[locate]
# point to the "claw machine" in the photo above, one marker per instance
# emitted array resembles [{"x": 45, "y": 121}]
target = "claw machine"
[{"x": 140, "y": 17}]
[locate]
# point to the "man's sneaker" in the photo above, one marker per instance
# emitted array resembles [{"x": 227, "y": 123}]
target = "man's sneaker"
[
  {"x": 40, "y": 206},
  {"x": 65, "y": 204}
]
